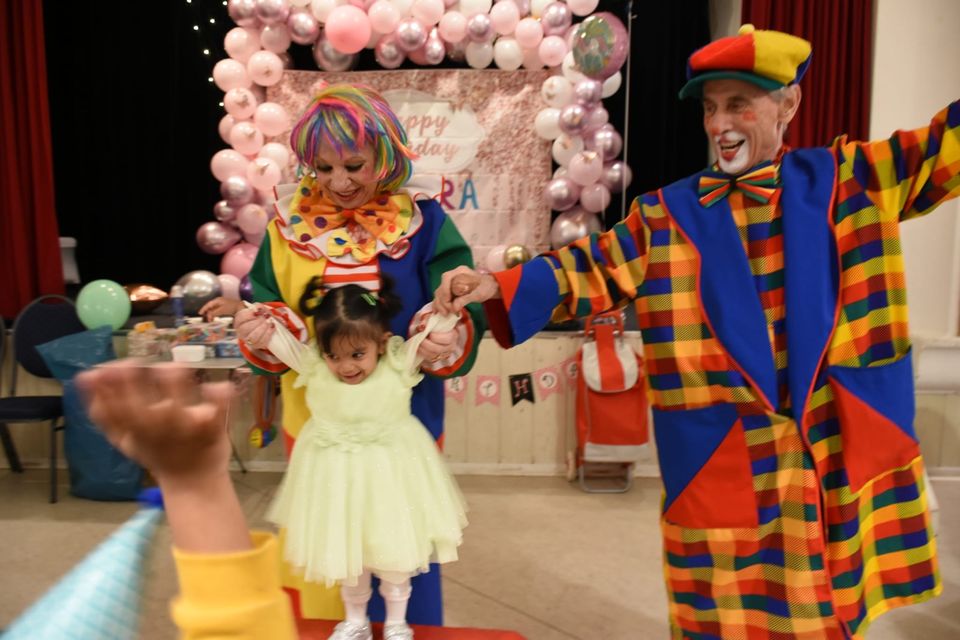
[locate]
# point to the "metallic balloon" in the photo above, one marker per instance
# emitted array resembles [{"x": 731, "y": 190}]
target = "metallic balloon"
[
  {"x": 223, "y": 212},
  {"x": 561, "y": 193},
  {"x": 243, "y": 12},
  {"x": 556, "y": 19},
  {"x": 607, "y": 142},
  {"x": 601, "y": 46},
  {"x": 144, "y": 298},
  {"x": 216, "y": 237},
  {"x": 588, "y": 92},
  {"x": 411, "y": 34},
  {"x": 616, "y": 176},
  {"x": 573, "y": 119},
  {"x": 596, "y": 118},
  {"x": 199, "y": 287},
  {"x": 329, "y": 59},
  {"x": 236, "y": 190},
  {"x": 434, "y": 51},
  {"x": 515, "y": 254},
  {"x": 457, "y": 51},
  {"x": 246, "y": 289},
  {"x": 572, "y": 225},
  {"x": 388, "y": 53},
  {"x": 303, "y": 27},
  {"x": 272, "y": 11},
  {"x": 479, "y": 28},
  {"x": 523, "y": 6}
]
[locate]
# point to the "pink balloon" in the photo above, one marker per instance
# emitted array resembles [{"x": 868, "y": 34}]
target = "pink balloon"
[
  {"x": 240, "y": 43},
  {"x": 230, "y": 74},
  {"x": 240, "y": 103},
  {"x": 223, "y": 212},
  {"x": 230, "y": 286},
  {"x": 215, "y": 238},
  {"x": 246, "y": 138},
  {"x": 453, "y": 27},
  {"x": 348, "y": 29},
  {"x": 271, "y": 118},
  {"x": 561, "y": 193},
  {"x": 263, "y": 173},
  {"x": 256, "y": 239},
  {"x": 226, "y": 124},
  {"x": 586, "y": 167},
  {"x": 596, "y": 118},
  {"x": 505, "y": 16},
  {"x": 384, "y": 17},
  {"x": 272, "y": 11},
  {"x": 243, "y": 12},
  {"x": 594, "y": 198},
  {"x": 556, "y": 19},
  {"x": 388, "y": 53},
  {"x": 529, "y": 33},
  {"x": 552, "y": 50},
  {"x": 238, "y": 259},
  {"x": 226, "y": 163},
  {"x": 236, "y": 190},
  {"x": 582, "y": 7},
  {"x": 252, "y": 219},
  {"x": 303, "y": 27},
  {"x": 265, "y": 68},
  {"x": 428, "y": 12},
  {"x": 616, "y": 176},
  {"x": 494, "y": 260},
  {"x": 277, "y": 152},
  {"x": 275, "y": 38}
]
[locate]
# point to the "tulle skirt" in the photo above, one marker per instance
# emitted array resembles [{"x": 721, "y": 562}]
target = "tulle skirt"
[{"x": 390, "y": 506}]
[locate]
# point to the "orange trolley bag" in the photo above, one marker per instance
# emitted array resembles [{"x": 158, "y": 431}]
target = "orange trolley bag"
[{"x": 612, "y": 428}]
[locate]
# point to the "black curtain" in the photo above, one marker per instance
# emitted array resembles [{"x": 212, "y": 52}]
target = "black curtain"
[{"x": 134, "y": 122}]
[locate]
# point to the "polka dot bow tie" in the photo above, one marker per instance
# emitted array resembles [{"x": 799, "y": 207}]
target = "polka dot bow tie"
[{"x": 760, "y": 183}]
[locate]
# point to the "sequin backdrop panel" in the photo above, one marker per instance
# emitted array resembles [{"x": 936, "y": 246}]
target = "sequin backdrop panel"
[{"x": 482, "y": 158}]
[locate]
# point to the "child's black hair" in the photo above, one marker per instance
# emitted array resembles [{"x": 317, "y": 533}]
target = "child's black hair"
[{"x": 350, "y": 311}]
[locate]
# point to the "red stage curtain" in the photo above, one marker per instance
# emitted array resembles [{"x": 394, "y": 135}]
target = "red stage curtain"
[
  {"x": 29, "y": 239},
  {"x": 836, "y": 88}
]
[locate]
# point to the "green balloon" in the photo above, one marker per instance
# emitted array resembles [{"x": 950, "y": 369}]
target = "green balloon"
[{"x": 103, "y": 302}]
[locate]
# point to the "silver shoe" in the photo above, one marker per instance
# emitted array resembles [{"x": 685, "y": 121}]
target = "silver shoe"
[
  {"x": 347, "y": 630},
  {"x": 397, "y": 631}
]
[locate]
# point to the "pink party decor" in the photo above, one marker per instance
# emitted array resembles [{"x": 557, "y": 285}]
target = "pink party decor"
[
  {"x": 230, "y": 286},
  {"x": 240, "y": 43},
  {"x": 271, "y": 118},
  {"x": 411, "y": 34},
  {"x": 303, "y": 27},
  {"x": 226, "y": 124},
  {"x": 616, "y": 176},
  {"x": 582, "y": 7},
  {"x": 507, "y": 54},
  {"x": 238, "y": 259},
  {"x": 494, "y": 260},
  {"x": 275, "y": 38},
  {"x": 601, "y": 46},
  {"x": 573, "y": 119},
  {"x": 215, "y": 238},
  {"x": 240, "y": 103},
  {"x": 272, "y": 11},
  {"x": 265, "y": 68},
  {"x": 230, "y": 74},
  {"x": 252, "y": 219},
  {"x": 236, "y": 191},
  {"x": 561, "y": 193},
  {"x": 552, "y": 50},
  {"x": 504, "y": 16},
  {"x": 428, "y": 12},
  {"x": 453, "y": 27},
  {"x": 594, "y": 198},
  {"x": 226, "y": 163},
  {"x": 329, "y": 58},
  {"x": 479, "y": 28},
  {"x": 263, "y": 173},
  {"x": 246, "y": 138},
  {"x": 384, "y": 16},
  {"x": 585, "y": 167},
  {"x": 528, "y": 33},
  {"x": 243, "y": 12},
  {"x": 388, "y": 53},
  {"x": 348, "y": 28},
  {"x": 223, "y": 212},
  {"x": 556, "y": 19}
]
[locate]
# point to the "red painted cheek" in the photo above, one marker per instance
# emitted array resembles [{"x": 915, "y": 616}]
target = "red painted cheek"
[{"x": 750, "y": 116}]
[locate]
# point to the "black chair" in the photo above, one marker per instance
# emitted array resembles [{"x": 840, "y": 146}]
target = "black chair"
[{"x": 46, "y": 318}]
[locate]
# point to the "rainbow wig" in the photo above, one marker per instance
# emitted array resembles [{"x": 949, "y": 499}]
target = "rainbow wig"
[{"x": 349, "y": 116}]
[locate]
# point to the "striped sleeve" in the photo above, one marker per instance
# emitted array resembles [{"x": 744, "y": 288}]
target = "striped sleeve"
[
  {"x": 594, "y": 274},
  {"x": 911, "y": 172}
]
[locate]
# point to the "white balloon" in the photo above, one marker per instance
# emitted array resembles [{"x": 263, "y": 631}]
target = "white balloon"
[
  {"x": 275, "y": 37},
  {"x": 322, "y": 8},
  {"x": 611, "y": 85},
  {"x": 547, "y": 123},
  {"x": 428, "y": 12},
  {"x": 479, "y": 54},
  {"x": 276, "y": 152},
  {"x": 569, "y": 68},
  {"x": 565, "y": 148},
  {"x": 507, "y": 54},
  {"x": 557, "y": 91},
  {"x": 470, "y": 7},
  {"x": 404, "y": 7},
  {"x": 537, "y": 7}
]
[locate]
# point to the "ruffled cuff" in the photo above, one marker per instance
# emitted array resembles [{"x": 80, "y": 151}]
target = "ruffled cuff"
[
  {"x": 461, "y": 348},
  {"x": 262, "y": 358}
]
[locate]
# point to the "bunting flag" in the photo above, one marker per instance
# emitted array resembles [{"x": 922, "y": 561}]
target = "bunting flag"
[
  {"x": 488, "y": 390},
  {"x": 455, "y": 388},
  {"x": 521, "y": 388},
  {"x": 571, "y": 369},
  {"x": 548, "y": 382}
]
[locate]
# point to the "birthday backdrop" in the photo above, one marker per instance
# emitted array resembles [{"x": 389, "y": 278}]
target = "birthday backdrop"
[{"x": 479, "y": 156}]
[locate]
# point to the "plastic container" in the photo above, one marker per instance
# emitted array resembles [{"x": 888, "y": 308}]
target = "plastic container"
[{"x": 189, "y": 353}]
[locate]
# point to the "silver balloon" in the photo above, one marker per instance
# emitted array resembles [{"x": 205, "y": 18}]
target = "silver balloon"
[
  {"x": 588, "y": 91},
  {"x": 411, "y": 34},
  {"x": 572, "y": 225},
  {"x": 457, "y": 51},
  {"x": 616, "y": 176},
  {"x": 303, "y": 27},
  {"x": 556, "y": 19},
  {"x": 223, "y": 212},
  {"x": 243, "y": 12},
  {"x": 479, "y": 27},
  {"x": 388, "y": 53},
  {"x": 607, "y": 142},
  {"x": 573, "y": 119},
  {"x": 329, "y": 59},
  {"x": 561, "y": 193},
  {"x": 272, "y": 11},
  {"x": 216, "y": 237},
  {"x": 199, "y": 287},
  {"x": 236, "y": 190},
  {"x": 434, "y": 51}
]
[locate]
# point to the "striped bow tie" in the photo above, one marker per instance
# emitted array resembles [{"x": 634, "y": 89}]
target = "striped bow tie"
[{"x": 759, "y": 183}]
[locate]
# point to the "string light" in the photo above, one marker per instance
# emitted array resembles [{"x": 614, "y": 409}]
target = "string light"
[
  {"x": 212, "y": 21},
  {"x": 196, "y": 27},
  {"x": 210, "y": 79},
  {"x": 206, "y": 52}
]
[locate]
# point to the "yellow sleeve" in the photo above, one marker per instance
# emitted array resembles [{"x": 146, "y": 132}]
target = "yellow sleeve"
[{"x": 233, "y": 595}]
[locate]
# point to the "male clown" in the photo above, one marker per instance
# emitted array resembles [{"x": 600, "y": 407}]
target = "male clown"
[{"x": 770, "y": 295}]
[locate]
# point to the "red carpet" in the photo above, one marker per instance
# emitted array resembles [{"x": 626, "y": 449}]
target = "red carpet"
[{"x": 320, "y": 629}]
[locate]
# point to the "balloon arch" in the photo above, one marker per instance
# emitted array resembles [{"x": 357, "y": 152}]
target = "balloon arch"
[{"x": 533, "y": 34}]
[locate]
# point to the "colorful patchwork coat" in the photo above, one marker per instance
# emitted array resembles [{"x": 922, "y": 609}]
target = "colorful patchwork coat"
[
  {"x": 289, "y": 257},
  {"x": 794, "y": 501}
]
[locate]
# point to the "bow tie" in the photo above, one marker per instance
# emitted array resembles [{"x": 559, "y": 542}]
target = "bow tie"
[{"x": 759, "y": 183}]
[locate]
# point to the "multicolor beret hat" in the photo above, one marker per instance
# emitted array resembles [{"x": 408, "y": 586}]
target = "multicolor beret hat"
[{"x": 769, "y": 59}]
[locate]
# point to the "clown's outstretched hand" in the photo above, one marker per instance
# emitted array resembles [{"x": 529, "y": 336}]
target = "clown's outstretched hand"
[{"x": 461, "y": 286}]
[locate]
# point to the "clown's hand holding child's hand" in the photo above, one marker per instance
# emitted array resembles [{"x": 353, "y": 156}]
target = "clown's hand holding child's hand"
[{"x": 254, "y": 327}]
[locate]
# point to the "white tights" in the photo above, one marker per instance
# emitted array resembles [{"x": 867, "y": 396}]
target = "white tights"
[{"x": 395, "y": 597}]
